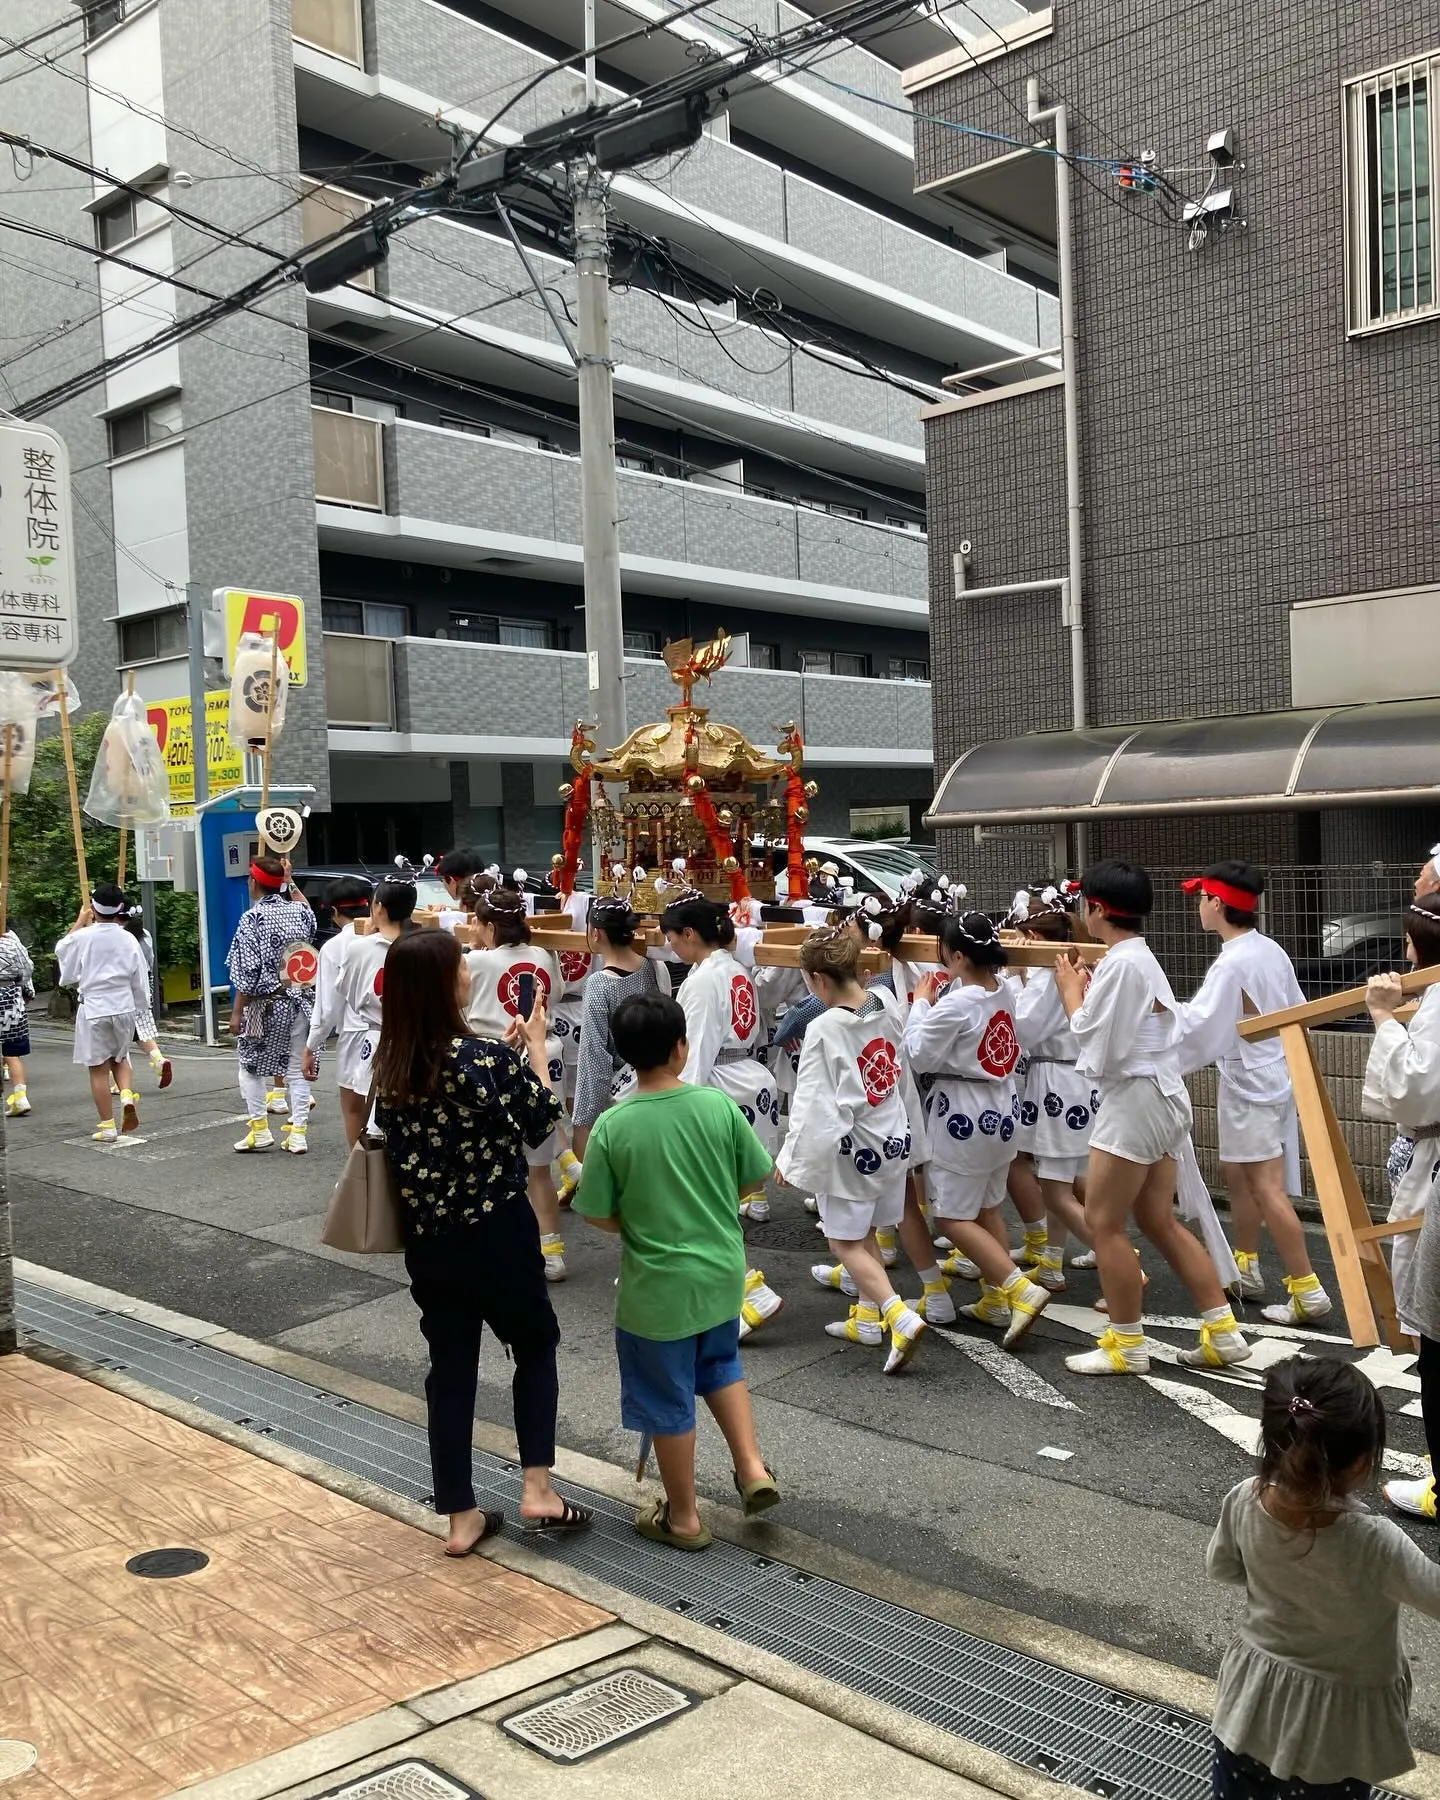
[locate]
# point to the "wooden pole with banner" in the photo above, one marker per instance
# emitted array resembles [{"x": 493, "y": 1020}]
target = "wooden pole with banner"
[
  {"x": 120, "y": 861},
  {"x": 1361, "y": 1271},
  {"x": 75, "y": 820},
  {"x": 270, "y": 715},
  {"x": 5, "y": 832}
]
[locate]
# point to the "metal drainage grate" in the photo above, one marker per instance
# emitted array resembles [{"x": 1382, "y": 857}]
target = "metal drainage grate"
[
  {"x": 403, "y": 1781},
  {"x": 1074, "y": 1729},
  {"x": 590, "y": 1718}
]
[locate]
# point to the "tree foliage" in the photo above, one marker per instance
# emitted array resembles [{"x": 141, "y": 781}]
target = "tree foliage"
[{"x": 44, "y": 885}]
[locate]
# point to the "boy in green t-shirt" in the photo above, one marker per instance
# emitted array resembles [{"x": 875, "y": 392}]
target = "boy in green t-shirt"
[{"x": 665, "y": 1170}]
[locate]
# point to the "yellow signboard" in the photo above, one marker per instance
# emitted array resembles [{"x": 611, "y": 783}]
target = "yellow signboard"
[
  {"x": 261, "y": 613},
  {"x": 170, "y": 720}
]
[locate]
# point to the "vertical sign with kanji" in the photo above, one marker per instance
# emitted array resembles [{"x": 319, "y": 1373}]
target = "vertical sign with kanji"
[{"x": 37, "y": 549}]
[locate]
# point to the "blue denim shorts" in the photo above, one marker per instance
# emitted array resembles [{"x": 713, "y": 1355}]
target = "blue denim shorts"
[{"x": 661, "y": 1378}]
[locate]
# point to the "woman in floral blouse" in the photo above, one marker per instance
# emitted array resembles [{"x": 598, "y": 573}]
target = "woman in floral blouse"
[{"x": 458, "y": 1112}]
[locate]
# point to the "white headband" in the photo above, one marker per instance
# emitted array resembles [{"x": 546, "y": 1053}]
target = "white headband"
[
  {"x": 101, "y": 911},
  {"x": 1435, "y": 860}
]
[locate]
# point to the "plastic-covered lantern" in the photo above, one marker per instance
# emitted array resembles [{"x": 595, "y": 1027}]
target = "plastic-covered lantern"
[
  {"x": 129, "y": 785},
  {"x": 19, "y": 706},
  {"x": 253, "y": 721}
]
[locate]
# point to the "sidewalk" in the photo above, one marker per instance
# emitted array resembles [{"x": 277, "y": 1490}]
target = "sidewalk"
[{"x": 322, "y": 1642}]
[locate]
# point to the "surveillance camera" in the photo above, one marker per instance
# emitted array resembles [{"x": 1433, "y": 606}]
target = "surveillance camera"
[{"x": 1221, "y": 148}]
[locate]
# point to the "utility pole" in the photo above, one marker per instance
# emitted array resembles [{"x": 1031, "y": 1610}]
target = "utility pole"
[
  {"x": 600, "y": 500},
  {"x": 200, "y": 756}
]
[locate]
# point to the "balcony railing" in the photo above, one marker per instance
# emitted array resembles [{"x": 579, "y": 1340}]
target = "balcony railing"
[
  {"x": 325, "y": 210},
  {"x": 349, "y": 463},
  {"x": 332, "y": 26},
  {"x": 359, "y": 682}
]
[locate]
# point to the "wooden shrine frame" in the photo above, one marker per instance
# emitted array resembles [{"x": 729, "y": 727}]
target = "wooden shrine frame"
[{"x": 1361, "y": 1271}]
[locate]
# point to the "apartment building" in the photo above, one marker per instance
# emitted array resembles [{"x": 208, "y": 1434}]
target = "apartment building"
[
  {"x": 1257, "y": 328},
  {"x": 401, "y": 451}
]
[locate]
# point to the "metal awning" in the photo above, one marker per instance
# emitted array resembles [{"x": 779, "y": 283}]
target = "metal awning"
[{"x": 1382, "y": 754}]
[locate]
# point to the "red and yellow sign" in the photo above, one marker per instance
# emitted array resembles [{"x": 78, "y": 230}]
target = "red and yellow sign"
[
  {"x": 285, "y": 613},
  {"x": 170, "y": 721}
]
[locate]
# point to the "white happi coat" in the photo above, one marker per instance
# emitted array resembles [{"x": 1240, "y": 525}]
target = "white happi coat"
[
  {"x": 850, "y": 1132},
  {"x": 722, "y": 1026},
  {"x": 1402, "y": 1084},
  {"x": 965, "y": 1041},
  {"x": 495, "y": 993},
  {"x": 1057, "y": 1102}
]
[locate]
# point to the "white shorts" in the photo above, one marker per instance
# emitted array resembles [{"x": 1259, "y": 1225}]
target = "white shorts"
[
  {"x": 965, "y": 1194},
  {"x": 354, "y": 1051},
  {"x": 544, "y": 1154},
  {"x": 1252, "y": 1131},
  {"x": 102, "y": 1040},
  {"x": 1138, "y": 1123},
  {"x": 1061, "y": 1168},
  {"x": 848, "y": 1221}
]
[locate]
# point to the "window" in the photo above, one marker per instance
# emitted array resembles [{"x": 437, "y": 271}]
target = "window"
[
  {"x": 125, "y": 217},
  {"x": 102, "y": 16},
  {"x": 642, "y": 465},
  {"x": 365, "y": 618},
  {"x": 909, "y": 668},
  {"x": 834, "y": 662},
  {"x": 898, "y": 524},
  {"x": 839, "y": 510},
  {"x": 521, "y": 634},
  {"x": 1391, "y": 158},
  {"x": 143, "y": 426},
  {"x": 814, "y": 662},
  {"x": 642, "y": 643},
  {"x": 154, "y": 636},
  {"x": 472, "y": 427},
  {"x": 333, "y": 399},
  {"x": 764, "y": 656},
  {"x": 848, "y": 664}
]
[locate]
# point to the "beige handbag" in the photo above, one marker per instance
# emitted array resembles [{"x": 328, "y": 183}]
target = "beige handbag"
[{"x": 364, "y": 1211}]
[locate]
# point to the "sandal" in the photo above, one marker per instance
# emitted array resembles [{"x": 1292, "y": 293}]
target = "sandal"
[
  {"x": 758, "y": 1496},
  {"x": 653, "y": 1522},
  {"x": 561, "y": 1524},
  {"x": 491, "y": 1524}
]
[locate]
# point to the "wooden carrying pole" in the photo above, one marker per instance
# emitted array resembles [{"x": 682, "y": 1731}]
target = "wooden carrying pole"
[
  {"x": 75, "y": 821},
  {"x": 5, "y": 831},
  {"x": 1361, "y": 1271}
]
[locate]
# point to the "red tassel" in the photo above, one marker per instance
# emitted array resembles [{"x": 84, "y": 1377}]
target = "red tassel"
[
  {"x": 577, "y": 810},
  {"x": 795, "y": 837},
  {"x": 721, "y": 844}
]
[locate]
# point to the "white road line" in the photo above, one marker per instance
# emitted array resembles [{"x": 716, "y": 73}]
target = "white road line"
[
  {"x": 1009, "y": 1371},
  {"x": 154, "y": 1137},
  {"x": 1243, "y": 1431}
]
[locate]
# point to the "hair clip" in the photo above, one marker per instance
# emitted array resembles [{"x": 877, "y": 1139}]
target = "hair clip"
[{"x": 1299, "y": 1404}]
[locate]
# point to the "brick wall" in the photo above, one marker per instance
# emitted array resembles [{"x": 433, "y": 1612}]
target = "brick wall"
[{"x": 1238, "y": 453}]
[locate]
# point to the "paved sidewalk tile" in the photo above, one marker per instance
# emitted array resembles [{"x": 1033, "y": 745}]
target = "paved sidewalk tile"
[{"x": 313, "y": 1612}]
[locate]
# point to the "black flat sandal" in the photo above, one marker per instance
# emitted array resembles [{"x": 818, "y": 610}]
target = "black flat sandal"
[
  {"x": 563, "y": 1524},
  {"x": 491, "y": 1525}
]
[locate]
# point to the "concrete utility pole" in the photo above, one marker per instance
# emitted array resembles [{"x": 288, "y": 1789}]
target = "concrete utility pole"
[{"x": 600, "y": 501}]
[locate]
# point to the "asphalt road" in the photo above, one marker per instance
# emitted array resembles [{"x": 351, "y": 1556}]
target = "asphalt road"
[{"x": 1087, "y": 1503}]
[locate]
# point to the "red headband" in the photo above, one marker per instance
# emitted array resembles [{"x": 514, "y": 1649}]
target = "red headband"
[
  {"x": 1110, "y": 912},
  {"x": 263, "y": 878},
  {"x": 1240, "y": 898}
]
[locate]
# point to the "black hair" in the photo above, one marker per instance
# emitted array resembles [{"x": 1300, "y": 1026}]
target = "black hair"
[
  {"x": 973, "y": 935},
  {"x": 503, "y": 910},
  {"x": 615, "y": 920},
  {"x": 1422, "y": 927},
  {"x": 133, "y": 919},
  {"x": 455, "y": 865},
  {"x": 105, "y": 893},
  {"x": 646, "y": 1028},
  {"x": 396, "y": 899},
  {"x": 1239, "y": 875},
  {"x": 1122, "y": 890},
  {"x": 349, "y": 894},
  {"x": 1318, "y": 1419},
  {"x": 710, "y": 922}
]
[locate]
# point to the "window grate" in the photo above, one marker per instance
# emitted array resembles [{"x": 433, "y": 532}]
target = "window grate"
[{"x": 1391, "y": 160}]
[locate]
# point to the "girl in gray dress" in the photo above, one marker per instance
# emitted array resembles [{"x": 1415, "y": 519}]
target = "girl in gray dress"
[{"x": 601, "y": 1077}]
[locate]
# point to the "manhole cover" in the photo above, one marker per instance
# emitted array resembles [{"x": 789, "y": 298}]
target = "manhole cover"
[
  {"x": 160, "y": 1565},
  {"x": 405, "y": 1781},
  {"x": 593, "y": 1717}
]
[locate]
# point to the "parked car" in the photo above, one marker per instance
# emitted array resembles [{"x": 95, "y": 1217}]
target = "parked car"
[
  {"x": 1353, "y": 947},
  {"x": 315, "y": 885},
  {"x": 876, "y": 865}
]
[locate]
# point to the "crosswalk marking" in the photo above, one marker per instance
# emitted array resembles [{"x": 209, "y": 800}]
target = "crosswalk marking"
[{"x": 1008, "y": 1370}]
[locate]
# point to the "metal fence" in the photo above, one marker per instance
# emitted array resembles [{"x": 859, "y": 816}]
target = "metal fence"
[{"x": 1340, "y": 924}]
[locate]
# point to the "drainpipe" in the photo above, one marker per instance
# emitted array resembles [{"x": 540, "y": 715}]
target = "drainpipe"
[{"x": 1059, "y": 117}]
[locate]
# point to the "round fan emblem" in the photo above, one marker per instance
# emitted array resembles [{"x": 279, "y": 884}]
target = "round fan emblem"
[
  {"x": 509, "y": 991},
  {"x": 379, "y": 982},
  {"x": 743, "y": 1014},
  {"x": 574, "y": 966},
  {"x": 299, "y": 965},
  {"x": 999, "y": 1048},
  {"x": 879, "y": 1069}
]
